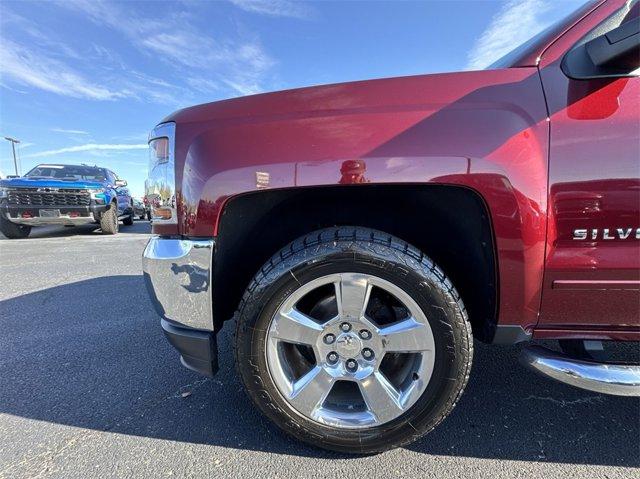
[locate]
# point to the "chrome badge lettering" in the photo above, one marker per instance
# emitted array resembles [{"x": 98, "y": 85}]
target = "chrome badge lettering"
[{"x": 595, "y": 234}]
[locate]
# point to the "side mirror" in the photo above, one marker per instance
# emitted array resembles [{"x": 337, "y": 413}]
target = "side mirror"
[
  {"x": 120, "y": 183},
  {"x": 613, "y": 54}
]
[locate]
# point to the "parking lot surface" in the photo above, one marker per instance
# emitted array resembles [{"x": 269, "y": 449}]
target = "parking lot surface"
[{"x": 89, "y": 387}]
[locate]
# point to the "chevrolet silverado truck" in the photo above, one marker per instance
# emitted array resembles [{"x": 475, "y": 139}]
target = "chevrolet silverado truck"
[
  {"x": 67, "y": 195},
  {"x": 363, "y": 235}
]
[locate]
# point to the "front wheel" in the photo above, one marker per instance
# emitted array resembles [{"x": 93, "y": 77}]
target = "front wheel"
[
  {"x": 12, "y": 230},
  {"x": 352, "y": 340},
  {"x": 109, "y": 220}
]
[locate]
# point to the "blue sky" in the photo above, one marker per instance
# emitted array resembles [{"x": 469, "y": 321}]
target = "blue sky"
[{"x": 84, "y": 81}]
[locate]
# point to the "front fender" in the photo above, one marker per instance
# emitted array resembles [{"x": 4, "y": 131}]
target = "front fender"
[{"x": 484, "y": 130}]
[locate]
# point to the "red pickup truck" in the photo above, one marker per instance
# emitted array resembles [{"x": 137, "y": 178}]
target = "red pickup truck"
[{"x": 363, "y": 235}]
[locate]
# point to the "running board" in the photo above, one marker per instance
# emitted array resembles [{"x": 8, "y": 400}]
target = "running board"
[{"x": 606, "y": 378}]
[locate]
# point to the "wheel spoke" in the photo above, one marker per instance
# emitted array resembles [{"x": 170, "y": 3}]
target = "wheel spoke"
[
  {"x": 347, "y": 337},
  {"x": 310, "y": 391},
  {"x": 383, "y": 400},
  {"x": 295, "y": 327},
  {"x": 407, "y": 336},
  {"x": 352, "y": 295}
]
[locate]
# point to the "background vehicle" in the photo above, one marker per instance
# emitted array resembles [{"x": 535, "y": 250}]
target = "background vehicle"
[
  {"x": 139, "y": 209},
  {"x": 64, "y": 195},
  {"x": 147, "y": 204},
  {"x": 369, "y": 231}
]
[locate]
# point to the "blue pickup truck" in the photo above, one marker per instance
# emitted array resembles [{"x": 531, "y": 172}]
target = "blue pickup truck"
[{"x": 64, "y": 195}]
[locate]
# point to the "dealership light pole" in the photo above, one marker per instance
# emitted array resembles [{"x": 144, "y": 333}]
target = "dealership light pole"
[{"x": 13, "y": 148}]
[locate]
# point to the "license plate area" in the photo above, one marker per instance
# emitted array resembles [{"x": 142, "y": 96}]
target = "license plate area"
[{"x": 49, "y": 213}]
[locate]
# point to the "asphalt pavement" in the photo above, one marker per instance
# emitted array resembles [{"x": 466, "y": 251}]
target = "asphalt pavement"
[{"x": 89, "y": 387}]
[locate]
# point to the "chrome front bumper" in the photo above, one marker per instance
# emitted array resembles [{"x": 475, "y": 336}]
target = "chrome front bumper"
[
  {"x": 57, "y": 220},
  {"x": 606, "y": 378},
  {"x": 178, "y": 276}
]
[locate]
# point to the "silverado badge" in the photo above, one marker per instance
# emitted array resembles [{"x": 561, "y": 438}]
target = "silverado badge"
[{"x": 606, "y": 234}]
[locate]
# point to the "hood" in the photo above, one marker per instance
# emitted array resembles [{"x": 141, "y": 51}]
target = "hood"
[
  {"x": 404, "y": 116},
  {"x": 383, "y": 95},
  {"x": 25, "y": 182},
  {"x": 438, "y": 115},
  {"x": 317, "y": 99}
]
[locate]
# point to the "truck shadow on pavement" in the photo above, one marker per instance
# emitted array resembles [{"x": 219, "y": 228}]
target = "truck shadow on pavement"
[{"x": 81, "y": 355}]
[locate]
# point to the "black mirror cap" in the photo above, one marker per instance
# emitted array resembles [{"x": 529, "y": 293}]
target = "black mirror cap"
[{"x": 614, "y": 54}]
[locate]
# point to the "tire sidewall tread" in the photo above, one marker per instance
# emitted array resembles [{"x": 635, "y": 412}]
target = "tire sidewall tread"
[{"x": 109, "y": 220}]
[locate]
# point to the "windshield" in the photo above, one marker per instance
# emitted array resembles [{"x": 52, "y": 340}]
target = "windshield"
[{"x": 68, "y": 172}]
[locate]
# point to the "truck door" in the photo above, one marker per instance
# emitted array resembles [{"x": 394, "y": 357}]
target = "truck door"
[{"x": 592, "y": 274}]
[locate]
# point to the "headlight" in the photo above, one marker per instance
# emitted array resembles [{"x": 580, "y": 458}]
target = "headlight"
[
  {"x": 3, "y": 191},
  {"x": 98, "y": 195},
  {"x": 160, "y": 186}
]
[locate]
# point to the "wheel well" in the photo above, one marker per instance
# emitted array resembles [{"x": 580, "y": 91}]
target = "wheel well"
[{"x": 448, "y": 223}]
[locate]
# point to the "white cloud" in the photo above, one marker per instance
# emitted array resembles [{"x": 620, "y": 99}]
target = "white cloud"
[
  {"x": 516, "y": 22},
  {"x": 204, "y": 63},
  {"x": 275, "y": 8},
  {"x": 71, "y": 132},
  {"x": 89, "y": 147},
  {"x": 235, "y": 64},
  {"x": 28, "y": 67},
  {"x": 203, "y": 84},
  {"x": 175, "y": 40},
  {"x": 243, "y": 87},
  {"x": 47, "y": 38},
  {"x": 47, "y": 64}
]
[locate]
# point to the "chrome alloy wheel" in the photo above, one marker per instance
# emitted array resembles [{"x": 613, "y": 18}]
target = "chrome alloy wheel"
[{"x": 350, "y": 350}]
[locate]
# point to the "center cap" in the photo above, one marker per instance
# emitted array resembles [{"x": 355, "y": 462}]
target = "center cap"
[{"x": 348, "y": 345}]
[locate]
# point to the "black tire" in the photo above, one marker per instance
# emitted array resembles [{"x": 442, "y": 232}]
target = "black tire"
[
  {"x": 12, "y": 230},
  {"x": 362, "y": 250},
  {"x": 128, "y": 221},
  {"x": 109, "y": 220}
]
